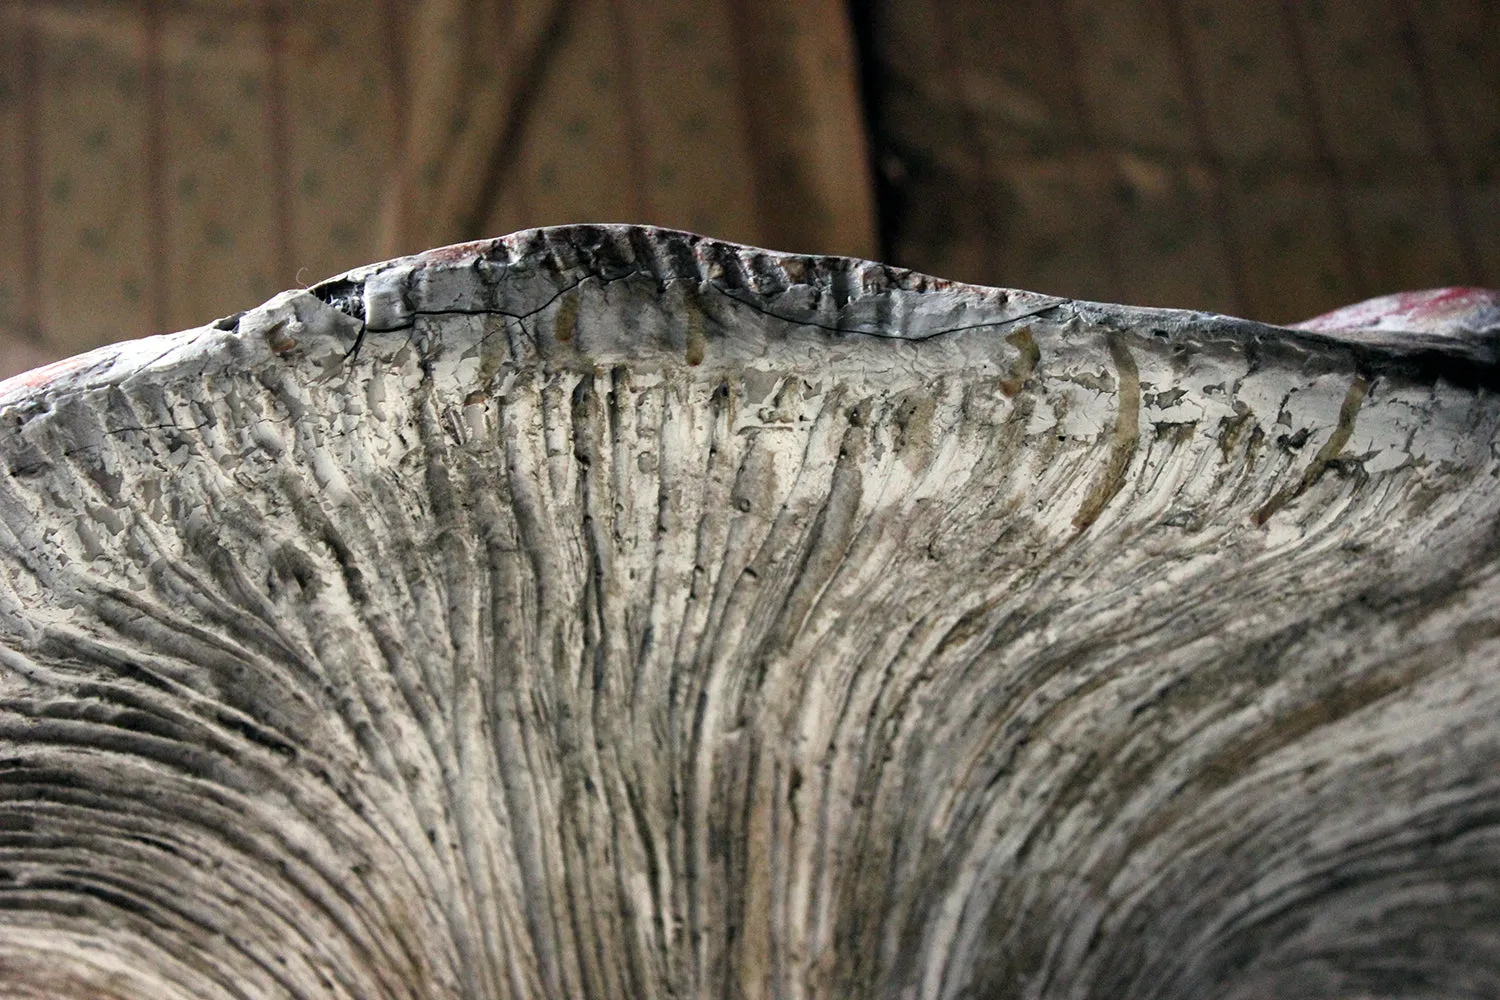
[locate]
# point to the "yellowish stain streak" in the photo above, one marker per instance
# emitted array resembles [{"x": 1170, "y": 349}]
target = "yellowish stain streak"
[
  {"x": 1330, "y": 450},
  {"x": 1126, "y": 435}
]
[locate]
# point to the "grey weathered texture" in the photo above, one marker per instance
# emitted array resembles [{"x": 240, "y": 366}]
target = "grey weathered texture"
[{"x": 609, "y": 612}]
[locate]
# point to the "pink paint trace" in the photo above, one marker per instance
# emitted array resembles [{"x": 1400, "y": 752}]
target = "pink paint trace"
[{"x": 1433, "y": 310}]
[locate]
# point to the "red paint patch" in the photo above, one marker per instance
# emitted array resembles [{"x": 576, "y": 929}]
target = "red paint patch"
[
  {"x": 47, "y": 373},
  {"x": 1433, "y": 310}
]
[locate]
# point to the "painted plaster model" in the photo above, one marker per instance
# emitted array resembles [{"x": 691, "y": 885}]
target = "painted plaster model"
[{"x": 611, "y": 612}]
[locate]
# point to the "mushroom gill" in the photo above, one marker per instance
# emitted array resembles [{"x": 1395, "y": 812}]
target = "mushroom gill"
[{"x": 612, "y": 612}]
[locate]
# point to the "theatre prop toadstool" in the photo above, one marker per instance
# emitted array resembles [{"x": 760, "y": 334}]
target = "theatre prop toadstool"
[{"x": 612, "y": 612}]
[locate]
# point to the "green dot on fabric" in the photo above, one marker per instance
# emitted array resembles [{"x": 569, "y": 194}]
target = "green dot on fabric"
[{"x": 61, "y": 190}]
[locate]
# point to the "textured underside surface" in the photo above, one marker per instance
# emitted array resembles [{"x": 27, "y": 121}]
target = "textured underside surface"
[{"x": 604, "y": 612}]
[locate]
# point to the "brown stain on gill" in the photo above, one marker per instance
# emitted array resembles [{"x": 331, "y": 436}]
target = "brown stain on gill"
[
  {"x": 1328, "y": 709},
  {"x": 1326, "y": 454},
  {"x": 697, "y": 339},
  {"x": 1239, "y": 758},
  {"x": 1126, "y": 435},
  {"x": 279, "y": 340},
  {"x": 494, "y": 349},
  {"x": 1026, "y": 364},
  {"x": 913, "y": 431},
  {"x": 566, "y": 324},
  {"x": 1232, "y": 430}
]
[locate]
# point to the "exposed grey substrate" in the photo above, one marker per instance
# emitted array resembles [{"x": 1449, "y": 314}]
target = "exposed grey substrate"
[{"x": 610, "y": 612}]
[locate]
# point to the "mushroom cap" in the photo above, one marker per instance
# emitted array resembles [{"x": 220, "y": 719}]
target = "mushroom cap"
[{"x": 609, "y": 611}]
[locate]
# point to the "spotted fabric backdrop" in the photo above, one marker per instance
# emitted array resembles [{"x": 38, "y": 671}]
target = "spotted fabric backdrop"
[
  {"x": 165, "y": 163},
  {"x": 1266, "y": 159}
]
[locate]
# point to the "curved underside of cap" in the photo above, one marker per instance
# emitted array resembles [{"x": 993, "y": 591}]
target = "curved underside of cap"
[{"x": 612, "y": 612}]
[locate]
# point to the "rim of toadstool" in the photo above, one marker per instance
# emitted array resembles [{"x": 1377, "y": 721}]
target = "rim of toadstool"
[{"x": 1450, "y": 333}]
